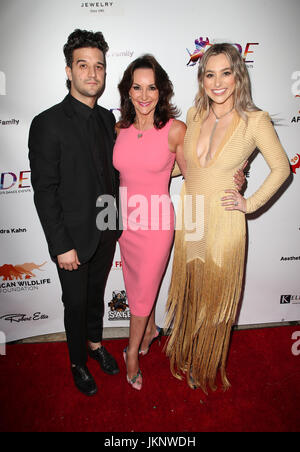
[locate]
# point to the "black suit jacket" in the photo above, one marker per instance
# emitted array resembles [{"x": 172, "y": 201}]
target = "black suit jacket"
[{"x": 65, "y": 180}]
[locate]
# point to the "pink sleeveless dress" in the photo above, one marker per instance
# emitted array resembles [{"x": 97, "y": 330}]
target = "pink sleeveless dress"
[{"x": 145, "y": 164}]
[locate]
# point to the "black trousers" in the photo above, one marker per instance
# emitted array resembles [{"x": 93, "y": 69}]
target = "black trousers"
[{"x": 83, "y": 298}]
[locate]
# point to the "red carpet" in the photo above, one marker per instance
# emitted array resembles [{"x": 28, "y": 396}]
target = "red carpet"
[{"x": 37, "y": 393}]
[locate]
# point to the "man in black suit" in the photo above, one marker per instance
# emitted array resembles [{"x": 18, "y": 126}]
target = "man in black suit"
[{"x": 70, "y": 152}]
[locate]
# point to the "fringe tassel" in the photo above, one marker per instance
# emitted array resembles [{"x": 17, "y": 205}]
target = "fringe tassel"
[{"x": 203, "y": 299}]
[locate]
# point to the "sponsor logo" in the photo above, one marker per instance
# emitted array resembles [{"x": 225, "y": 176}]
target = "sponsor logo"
[
  {"x": 295, "y": 163},
  {"x": 295, "y": 119},
  {"x": 285, "y": 299},
  {"x": 13, "y": 231},
  {"x": 2, "y": 84},
  {"x": 10, "y": 272},
  {"x": 121, "y": 53},
  {"x": 10, "y": 122},
  {"x": 202, "y": 45},
  {"x": 290, "y": 258},
  {"x": 117, "y": 265},
  {"x": 18, "y": 318},
  {"x": 17, "y": 278},
  {"x": 96, "y": 4},
  {"x": 119, "y": 309},
  {"x": 295, "y": 88},
  {"x": 198, "y": 53},
  {"x": 102, "y": 7},
  {"x": 290, "y": 299},
  {"x": 15, "y": 182}
]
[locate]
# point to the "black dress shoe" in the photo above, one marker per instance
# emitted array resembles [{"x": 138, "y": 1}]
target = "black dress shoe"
[
  {"x": 84, "y": 380},
  {"x": 107, "y": 362}
]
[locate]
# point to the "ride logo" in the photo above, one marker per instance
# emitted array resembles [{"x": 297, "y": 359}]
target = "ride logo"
[
  {"x": 15, "y": 182},
  {"x": 21, "y": 277},
  {"x": 202, "y": 45}
]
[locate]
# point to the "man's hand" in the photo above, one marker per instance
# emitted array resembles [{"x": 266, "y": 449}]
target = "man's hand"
[
  {"x": 239, "y": 177},
  {"x": 68, "y": 261}
]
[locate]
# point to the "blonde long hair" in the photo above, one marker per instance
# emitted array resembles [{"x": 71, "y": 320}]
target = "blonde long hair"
[{"x": 243, "y": 102}]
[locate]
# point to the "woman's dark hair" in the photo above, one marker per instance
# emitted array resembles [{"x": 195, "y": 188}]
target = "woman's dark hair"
[
  {"x": 83, "y": 38},
  {"x": 164, "y": 109}
]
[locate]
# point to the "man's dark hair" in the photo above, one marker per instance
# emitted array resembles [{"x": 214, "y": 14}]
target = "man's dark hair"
[{"x": 83, "y": 38}]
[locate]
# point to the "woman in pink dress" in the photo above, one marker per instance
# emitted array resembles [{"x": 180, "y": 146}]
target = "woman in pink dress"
[{"x": 149, "y": 141}]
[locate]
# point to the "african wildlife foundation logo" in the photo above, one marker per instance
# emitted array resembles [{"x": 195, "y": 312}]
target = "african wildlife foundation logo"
[{"x": 20, "y": 277}]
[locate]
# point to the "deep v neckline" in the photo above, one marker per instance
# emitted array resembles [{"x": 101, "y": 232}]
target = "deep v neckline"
[{"x": 226, "y": 137}]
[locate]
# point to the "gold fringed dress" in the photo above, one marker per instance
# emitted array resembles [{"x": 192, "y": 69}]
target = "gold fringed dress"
[{"x": 209, "y": 253}]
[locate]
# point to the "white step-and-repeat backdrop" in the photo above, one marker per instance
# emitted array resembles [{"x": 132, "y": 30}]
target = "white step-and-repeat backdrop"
[{"x": 32, "y": 78}]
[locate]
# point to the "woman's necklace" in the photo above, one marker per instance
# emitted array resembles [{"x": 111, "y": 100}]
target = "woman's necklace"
[
  {"x": 140, "y": 131},
  {"x": 214, "y": 129}
]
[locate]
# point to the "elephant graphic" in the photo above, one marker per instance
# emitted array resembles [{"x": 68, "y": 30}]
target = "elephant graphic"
[{"x": 11, "y": 272}]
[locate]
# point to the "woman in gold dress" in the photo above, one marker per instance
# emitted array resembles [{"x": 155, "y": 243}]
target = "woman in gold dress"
[{"x": 223, "y": 130}]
